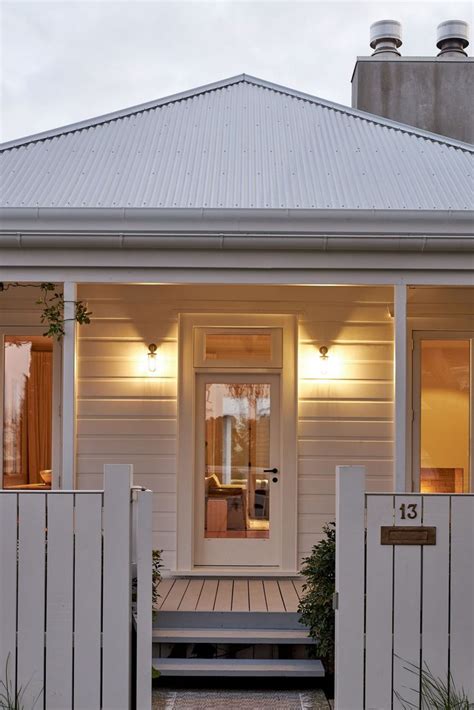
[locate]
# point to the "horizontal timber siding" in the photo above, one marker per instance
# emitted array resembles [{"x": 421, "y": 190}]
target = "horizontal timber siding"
[{"x": 124, "y": 415}]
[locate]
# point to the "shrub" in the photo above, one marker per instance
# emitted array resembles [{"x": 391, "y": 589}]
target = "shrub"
[{"x": 316, "y": 606}]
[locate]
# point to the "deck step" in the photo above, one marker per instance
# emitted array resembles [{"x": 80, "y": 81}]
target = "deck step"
[
  {"x": 239, "y": 667},
  {"x": 231, "y": 636}
]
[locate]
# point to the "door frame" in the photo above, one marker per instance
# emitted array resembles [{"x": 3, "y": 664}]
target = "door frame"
[
  {"x": 418, "y": 336},
  {"x": 186, "y": 523}
]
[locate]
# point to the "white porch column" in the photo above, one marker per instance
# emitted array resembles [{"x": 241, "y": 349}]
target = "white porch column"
[
  {"x": 400, "y": 375},
  {"x": 68, "y": 409}
]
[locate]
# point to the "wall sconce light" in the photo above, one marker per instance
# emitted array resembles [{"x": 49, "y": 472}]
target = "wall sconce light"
[
  {"x": 152, "y": 348},
  {"x": 323, "y": 361}
]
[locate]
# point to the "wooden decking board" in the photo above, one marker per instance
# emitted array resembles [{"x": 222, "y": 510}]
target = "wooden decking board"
[
  {"x": 164, "y": 588},
  {"x": 240, "y": 596},
  {"x": 191, "y": 596},
  {"x": 257, "y": 596},
  {"x": 229, "y": 595},
  {"x": 175, "y": 595},
  {"x": 298, "y": 584},
  {"x": 289, "y": 595},
  {"x": 273, "y": 595},
  {"x": 208, "y": 595},
  {"x": 223, "y": 600}
]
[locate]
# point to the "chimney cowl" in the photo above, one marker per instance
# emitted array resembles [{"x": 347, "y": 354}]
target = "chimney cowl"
[
  {"x": 386, "y": 36},
  {"x": 452, "y": 37}
]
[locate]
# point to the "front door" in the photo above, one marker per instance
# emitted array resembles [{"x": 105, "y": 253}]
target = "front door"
[{"x": 237, "y": 470}]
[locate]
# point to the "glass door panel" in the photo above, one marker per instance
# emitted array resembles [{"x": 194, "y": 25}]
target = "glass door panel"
[
  {"x": 445, "y": 421},
  {"x": 237, "y": 460},
  {"x": 238, "y": 489}
]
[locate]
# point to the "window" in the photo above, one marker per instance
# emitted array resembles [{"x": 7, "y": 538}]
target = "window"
[
  {"x": 238, "y": 347},
  {"x": 443, "y": 412},
  {"x": 27, "y": 411}
]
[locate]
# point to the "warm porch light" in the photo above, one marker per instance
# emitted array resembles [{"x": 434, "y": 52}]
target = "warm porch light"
[
  {"x": 152, "y": 357},
  {"x": 323, "y": 364}
]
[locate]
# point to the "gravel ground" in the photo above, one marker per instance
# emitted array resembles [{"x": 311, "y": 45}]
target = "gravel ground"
[{"x": 220, "y": 699}]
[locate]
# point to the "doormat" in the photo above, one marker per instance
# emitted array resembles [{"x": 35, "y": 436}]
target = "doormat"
[{"x": 247, "y": 700}]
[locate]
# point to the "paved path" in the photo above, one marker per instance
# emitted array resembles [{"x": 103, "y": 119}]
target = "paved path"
[{"x": 215, "y": 699}]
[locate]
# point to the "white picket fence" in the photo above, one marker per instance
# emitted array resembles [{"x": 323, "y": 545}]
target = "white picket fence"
[
  {"x": 67, "y": 559},
  {"x": 401, "y": 604}
]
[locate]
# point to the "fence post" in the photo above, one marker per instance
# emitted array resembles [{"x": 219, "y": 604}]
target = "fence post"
[
  {"x": 144, "y": 612},
  {"x": 116, "y": 647},
  {"x": 350, "y": 544}
]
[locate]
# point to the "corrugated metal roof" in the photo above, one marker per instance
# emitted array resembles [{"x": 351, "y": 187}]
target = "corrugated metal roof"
[{"x": 241, "y": 142}]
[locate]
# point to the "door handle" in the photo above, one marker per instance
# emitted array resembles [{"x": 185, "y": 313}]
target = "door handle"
[{"x": 270, "y": 470}]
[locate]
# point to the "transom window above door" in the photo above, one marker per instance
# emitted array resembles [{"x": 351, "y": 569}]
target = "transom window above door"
[{"x": 237, "y": 347}]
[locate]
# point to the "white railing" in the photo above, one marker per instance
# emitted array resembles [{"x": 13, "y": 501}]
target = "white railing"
[
  {"x": 67, "y": 559},
  {"x": 405, "y": 597}
]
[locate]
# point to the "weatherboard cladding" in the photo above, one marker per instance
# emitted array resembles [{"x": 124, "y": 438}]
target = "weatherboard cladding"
[{"x": 241, "y": 143}]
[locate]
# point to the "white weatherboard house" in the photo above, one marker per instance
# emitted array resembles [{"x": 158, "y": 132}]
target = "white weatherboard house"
[{"x": 305, "y": 271}]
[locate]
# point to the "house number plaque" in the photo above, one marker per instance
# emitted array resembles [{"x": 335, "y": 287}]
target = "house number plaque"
[{"x": 407, "y": 535}]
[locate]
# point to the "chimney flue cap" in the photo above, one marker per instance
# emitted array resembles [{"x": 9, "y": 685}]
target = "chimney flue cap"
[
  {"x": 386, "y": 36},
  {"x": 453, "y": 37}
]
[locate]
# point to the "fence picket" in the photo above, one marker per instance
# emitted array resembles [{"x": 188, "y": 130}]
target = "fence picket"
[
  {"x": 379, "y": 571},
  {"x": 8, "y": 554},
  {"x": 462, "y": 593},
  {"x": 59, "y": 601},
  {"x": 435, "y": 628},
  {"x": 87, "y": 594},
  {"x": 116, "y": 612},
  {"x": 350, "y": 549},
  {"x": 31, "y": 595},
  {"x": 406, "y": 607},
  {"x": 144, "y": 629}
]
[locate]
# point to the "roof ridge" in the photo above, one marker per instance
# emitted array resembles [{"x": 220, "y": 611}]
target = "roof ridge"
[{"x": 222, "y": 83}]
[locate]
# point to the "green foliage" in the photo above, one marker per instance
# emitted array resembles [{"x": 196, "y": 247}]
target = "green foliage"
[
  {"x": 11, "y": 699},
  {"x": 53, "y": 302},
  {"x": 435, "y": 693},
  {"x": 316, "y": 606},
  {"x": 157, "y": 564},
  {"x": 53, "y": 311}
]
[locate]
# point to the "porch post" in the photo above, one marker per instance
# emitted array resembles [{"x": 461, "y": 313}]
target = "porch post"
[
  {"x": 68, "y": 409},
  {"x": 400, "y": 389}
]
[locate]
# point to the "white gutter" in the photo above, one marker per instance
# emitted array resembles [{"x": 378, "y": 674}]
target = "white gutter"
[{"x": 239, "y": 229}]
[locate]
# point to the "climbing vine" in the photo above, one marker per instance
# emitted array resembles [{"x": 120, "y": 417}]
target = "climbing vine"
[{"x": 52, "y": 302}]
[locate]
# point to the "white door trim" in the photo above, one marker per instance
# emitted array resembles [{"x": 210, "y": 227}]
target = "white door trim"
[{"x": 187, "y": 432}]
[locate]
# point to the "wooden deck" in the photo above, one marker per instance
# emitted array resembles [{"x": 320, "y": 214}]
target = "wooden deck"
[{"x": 229, "y": 595}]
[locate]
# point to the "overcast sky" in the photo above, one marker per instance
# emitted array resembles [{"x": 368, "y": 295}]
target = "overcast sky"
[{"x": 64, "y": 61}]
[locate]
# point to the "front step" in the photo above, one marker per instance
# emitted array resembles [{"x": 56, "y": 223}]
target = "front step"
[
  {"x": 196, "y": 634},
  {"x": 232, "y": 636},
  {"x": 293, "y": 668}
]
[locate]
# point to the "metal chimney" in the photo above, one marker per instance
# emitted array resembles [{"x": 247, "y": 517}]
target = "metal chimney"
[
  {"x": 453, "y": 38},
  {"x": 386, "y": 36}
]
